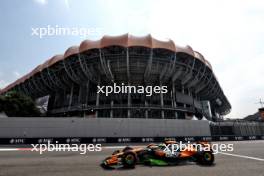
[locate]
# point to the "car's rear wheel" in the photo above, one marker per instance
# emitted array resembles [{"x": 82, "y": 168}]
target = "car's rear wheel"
[{"x": 206, "y": 158}]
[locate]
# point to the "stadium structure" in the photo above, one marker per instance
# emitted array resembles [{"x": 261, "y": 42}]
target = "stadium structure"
[{"x": 69, "y": 82}]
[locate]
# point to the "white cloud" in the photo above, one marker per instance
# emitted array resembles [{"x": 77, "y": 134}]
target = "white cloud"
[
  {"x": 67, "y": 4},
  {"x": 16, "y": 74},
  {"x": 228, "y": 33},
  {"x": 64, "y": 2},
  {"x": 42, "y": 2}
]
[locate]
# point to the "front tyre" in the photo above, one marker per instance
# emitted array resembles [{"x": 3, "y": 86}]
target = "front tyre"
[{"x": 129, "y": 160}]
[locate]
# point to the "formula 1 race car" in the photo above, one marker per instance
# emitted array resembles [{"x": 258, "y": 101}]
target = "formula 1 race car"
[{"x": 163, "y": 154}]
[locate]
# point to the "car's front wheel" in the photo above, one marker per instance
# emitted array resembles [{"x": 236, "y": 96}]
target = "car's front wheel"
[{"x": 129, "y": 160}]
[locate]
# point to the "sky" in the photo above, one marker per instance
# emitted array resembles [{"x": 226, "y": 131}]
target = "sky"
[{"x": 229, "y": 33}]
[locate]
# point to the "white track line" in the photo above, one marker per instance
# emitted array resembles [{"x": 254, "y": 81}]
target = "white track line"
[
  {"x": 242, "y": 156},
  {"x": 14, "y": 149},
  {"x": 28, "y": 149},
  {"x": 8, "y": 149},
  {"x": 118, "y": 147}
]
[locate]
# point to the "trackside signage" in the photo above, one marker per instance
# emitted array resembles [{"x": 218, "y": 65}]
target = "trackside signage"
[{"x": 77, "y": 140}]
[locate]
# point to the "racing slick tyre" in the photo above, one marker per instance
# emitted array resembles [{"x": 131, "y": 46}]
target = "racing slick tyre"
[
  {"x": 129, "y": 160},
  {"x": 206, "y": 158}
]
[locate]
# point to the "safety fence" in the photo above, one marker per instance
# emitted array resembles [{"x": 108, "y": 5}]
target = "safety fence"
[{"x": 237, "y": 128}]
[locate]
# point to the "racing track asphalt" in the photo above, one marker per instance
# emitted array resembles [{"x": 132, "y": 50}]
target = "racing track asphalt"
[{"x": 27, "y": 163}]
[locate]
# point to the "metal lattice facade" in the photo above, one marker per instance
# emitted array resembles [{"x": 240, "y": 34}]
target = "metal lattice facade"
[{"x": 71, "y": 80}]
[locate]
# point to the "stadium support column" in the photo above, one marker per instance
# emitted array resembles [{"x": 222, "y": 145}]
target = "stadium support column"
[
  {"x": 184, "y": 105},
  {"x": 97, "y": 99},
  {"x": 174, "y": 105},
  {"x": 146, "y": 110},
  {"x": 87, "y": 92},
  {"x": 80, "y": 99},
  {"x": 71, "y": 94},
  {"x": 161, "y": 102},
  {"x": 51, "y": 103},
  {"x": 128, "y": 78},
  {"x": 183, "y": 92},
  {"x": 111, "y": 111},
  {"x": 128, "y": 103}
]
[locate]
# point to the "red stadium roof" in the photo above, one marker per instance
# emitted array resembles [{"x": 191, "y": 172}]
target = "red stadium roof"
[{"x": 125, "y": 40}]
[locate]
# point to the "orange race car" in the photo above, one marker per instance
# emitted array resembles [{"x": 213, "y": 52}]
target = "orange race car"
[{"x": 167, "y": 153}]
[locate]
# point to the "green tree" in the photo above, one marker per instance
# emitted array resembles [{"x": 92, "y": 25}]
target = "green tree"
[{"x": 16, "y": 104}]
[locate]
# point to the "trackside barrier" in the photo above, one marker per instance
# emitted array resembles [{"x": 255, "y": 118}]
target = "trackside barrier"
[
  {"x": 123, "y": 130},
  {"x": 124, "y": 140},
  {"x": 237, "y": 128}
]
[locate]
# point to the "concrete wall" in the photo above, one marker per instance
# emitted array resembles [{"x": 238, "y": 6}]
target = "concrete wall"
[{"x": 100, "y": 127}]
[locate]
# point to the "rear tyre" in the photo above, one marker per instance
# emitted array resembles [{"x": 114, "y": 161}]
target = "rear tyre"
[{"x": 206, "y": 158}]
